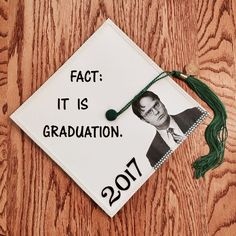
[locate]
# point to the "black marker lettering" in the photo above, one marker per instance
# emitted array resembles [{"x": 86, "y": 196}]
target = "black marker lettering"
[
  {"x": 62, "y": 102},
  {"x": 82, "y": 104},
  {"x": 72, "y": 75}
]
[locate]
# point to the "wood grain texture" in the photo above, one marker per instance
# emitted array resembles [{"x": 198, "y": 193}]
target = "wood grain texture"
[{"x": 36, "y": 38}]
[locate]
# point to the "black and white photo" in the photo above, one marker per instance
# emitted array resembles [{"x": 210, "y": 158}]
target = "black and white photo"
[{"x": 171, "y": 130}]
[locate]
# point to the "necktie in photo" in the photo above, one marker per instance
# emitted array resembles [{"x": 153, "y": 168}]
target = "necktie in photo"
[{"x": 177, "y": 138}]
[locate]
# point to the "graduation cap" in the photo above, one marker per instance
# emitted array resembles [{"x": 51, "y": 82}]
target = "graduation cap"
[{"x": 109, "y": 159}]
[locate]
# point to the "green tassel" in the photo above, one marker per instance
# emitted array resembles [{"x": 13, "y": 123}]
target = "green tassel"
[{"x": 216, "y": 133}]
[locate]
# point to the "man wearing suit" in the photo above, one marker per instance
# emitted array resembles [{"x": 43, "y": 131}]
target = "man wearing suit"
[{"x": 171, "y": 129}]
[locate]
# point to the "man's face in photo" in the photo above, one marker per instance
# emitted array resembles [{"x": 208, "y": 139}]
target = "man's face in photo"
[{"x": 153, "y": 111}]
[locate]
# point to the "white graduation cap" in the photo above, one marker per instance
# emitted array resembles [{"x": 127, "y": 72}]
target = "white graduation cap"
[{"x": 66, "y": 117}]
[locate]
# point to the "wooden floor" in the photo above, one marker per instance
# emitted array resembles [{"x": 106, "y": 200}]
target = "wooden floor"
[{"x": 36, "y": 196}]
